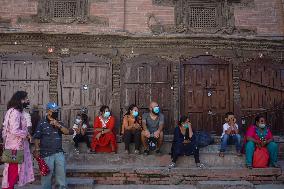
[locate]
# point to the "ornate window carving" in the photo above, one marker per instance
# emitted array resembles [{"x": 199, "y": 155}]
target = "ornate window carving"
[
  {"x": 63, "y": 11},
  {"x": 205, "y": 16}
]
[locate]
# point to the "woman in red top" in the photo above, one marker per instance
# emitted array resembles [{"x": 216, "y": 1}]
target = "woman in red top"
[{"x": 104, "y": 139}]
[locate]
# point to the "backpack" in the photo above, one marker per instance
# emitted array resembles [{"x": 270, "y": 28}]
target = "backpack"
[
  {"x": 203, "y": 138},
  {"x": 152, "y": 142}
]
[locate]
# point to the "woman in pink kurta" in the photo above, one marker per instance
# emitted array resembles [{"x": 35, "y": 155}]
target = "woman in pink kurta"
[{"x": 15, "y": 135}]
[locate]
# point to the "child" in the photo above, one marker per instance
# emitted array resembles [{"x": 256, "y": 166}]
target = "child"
[
  {"x": 230, "y": 130},
  {"x": 80, "y": 127}
]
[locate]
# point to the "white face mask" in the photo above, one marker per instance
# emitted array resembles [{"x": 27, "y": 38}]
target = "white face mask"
[
  {"x": 261, "y": 125},
  {"x": 78, "y": 120}
]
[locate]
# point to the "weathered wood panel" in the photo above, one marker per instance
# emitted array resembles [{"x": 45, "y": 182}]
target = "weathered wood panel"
[
  {"x": 146, "y": 79},
  {"x": 85, "y": 80},
  {"x": 206, "y": 92}
]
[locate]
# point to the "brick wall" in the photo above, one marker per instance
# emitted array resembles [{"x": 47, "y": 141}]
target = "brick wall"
[
  {"x": 115, "y": 16},
  {"x": 265, "y": 16}
]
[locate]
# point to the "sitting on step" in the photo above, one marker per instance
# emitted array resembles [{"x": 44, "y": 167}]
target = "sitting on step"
[
  {"x": 80, "y": 126},
  {"x": 184, "y": 142},
  {"x": 104, "y": 139},
  {"x": 260, "y": 146},
  {"x": 230, "y": 131},
  {"x": 153, "y": 125},
  {"x": 131, "y": 127}
]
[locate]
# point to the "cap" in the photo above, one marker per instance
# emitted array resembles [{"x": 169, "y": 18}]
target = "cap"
[{"x": 52, "y": 106}]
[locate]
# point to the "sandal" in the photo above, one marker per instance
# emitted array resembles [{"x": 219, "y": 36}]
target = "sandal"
[{"x": 221, "y": 154}]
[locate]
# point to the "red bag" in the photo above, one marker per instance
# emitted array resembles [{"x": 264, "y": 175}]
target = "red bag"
[
  {"x": 43, "y": 167},
  {"x": 260, "y": 157}
]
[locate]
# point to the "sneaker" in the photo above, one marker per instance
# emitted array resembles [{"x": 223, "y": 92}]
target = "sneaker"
[
  {"x": 136, "y": 152},
  {"x": 275, "y": 165},
  {"x": 76, "y": 150},
  {"x": 146, "y": 152},
  {"x": 172, "y": 165},
  {"x": 249, "y": 166},
  {"x": 221, "y": 154},
  {"x": 200, "y": 165},
  {"x": 158, "y": 151},
  {"x": 239, "y": 154}
]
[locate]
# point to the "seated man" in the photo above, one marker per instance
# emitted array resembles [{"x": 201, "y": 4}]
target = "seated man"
[
  {"x": 230, "y": 130},
  {"x": 153, "y": 124}
]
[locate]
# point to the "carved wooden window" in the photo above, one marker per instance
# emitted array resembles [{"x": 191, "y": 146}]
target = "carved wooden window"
[
  {"x": 203, "y": 17},
  {"x": 65, "y": 11},
  {"x": 207, "y": 16}
]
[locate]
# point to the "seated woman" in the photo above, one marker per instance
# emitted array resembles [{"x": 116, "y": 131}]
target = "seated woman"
[
  {"x": 131, "y": 126},
  {"x": 104, "y": 139},
  {"x": 184, "y": 142},
  {"x": 260, "y": 135}
]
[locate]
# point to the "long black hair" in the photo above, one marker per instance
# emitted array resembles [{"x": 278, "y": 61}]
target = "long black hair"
[
  {"x": 15, "y": 101},
  {"x": 182, "y": 119},
  {"x": 257, "y": 118},
  {"x": 130, "y": 108},
  {"x": 103, "y": 108}
]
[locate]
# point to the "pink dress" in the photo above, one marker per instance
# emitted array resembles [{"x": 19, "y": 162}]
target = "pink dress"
[{"x": 15, "y": 138}]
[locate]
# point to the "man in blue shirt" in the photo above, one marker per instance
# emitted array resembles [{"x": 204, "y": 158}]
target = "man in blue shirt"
[{"x": 48, "y": 144}]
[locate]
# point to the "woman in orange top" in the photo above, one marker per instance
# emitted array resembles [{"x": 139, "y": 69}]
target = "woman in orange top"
[
  {"x": 131, "y": 126},
  {"x": 104, "y": 139}
]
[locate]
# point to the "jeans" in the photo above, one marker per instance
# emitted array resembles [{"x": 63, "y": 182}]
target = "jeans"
[
  {"x": 57, "y": 166},
  {"x": 224, "y": 142}
]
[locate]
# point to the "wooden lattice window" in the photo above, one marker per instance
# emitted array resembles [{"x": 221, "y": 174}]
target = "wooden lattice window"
[
  {"x": 63, "y": 10},
  {"x": 206, "y": 16},
  {"x": 203, "y": 17}
]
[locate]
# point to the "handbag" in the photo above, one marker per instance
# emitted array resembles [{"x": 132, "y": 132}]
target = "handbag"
[
  {"x": 260, "y": 157},
  {"x": 13, "y": 156},
  {"x": 43, "y": 167}
]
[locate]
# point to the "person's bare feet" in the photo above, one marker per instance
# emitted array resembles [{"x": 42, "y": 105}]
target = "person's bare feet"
[{"x": 221, "y": 154}]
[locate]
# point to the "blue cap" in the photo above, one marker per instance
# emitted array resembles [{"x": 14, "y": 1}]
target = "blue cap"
[{"x": 52, "y": 106}]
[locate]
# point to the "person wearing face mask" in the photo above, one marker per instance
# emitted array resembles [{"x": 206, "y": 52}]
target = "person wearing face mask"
[
  {"x": 153, "y": 125},
  {"x": 259, "y": 135},
  {"x": 131, "y": 127},
  {"x": 104, "y": 139},
  {"x": 184, "y": 142},
  {"x": 48, "y": 145},
  {"x": 80, "y": 126},
  {"x": 15, "y": 137}
]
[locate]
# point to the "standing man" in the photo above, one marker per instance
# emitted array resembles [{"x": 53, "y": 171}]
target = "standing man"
[
  {"x": 153, "y": 124},
  {"x": 48, "y": 144}
]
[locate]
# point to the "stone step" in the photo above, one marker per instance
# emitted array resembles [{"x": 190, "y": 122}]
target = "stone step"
[
  {"x": 72, "y": 183},
  {"x": 224, "y": 185},
  {"x": 209, "y": 159},
  {"x": 176, "y": 176}
]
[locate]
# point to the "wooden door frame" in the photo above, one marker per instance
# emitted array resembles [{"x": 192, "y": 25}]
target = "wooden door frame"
[
  {"x": 194, "y": 61},
  {"x": 151, "y": 59}
]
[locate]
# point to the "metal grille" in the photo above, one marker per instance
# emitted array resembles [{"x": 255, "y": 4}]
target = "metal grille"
[
  {"x": 65, "y": 8},
  {"x": 203, "y": 17}
]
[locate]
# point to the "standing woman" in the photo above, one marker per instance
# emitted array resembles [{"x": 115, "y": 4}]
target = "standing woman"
[
  {"x": 16, "y": 136},
  {"x": 131, "y": 126},
  {"x": 104, "y": 139}
]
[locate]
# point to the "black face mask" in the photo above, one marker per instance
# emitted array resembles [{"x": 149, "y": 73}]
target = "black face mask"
[
  {"x": 54, "y": 115},
  {"x": 26, "y": 104}
]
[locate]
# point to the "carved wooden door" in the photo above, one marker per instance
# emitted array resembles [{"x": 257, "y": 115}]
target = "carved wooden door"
[
  {"x": 146, "y": 79},
  {"x": 85, "y": 81},
  {"x": 206, "y": 92}
]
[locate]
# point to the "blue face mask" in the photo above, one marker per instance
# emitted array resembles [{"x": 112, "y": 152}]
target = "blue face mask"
[
  {"x": 135, "y": 113},
  {"x": 106, "y": 114},
  {"x": 186, "y": 126},
  {"x": 156, "y": 109}
]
